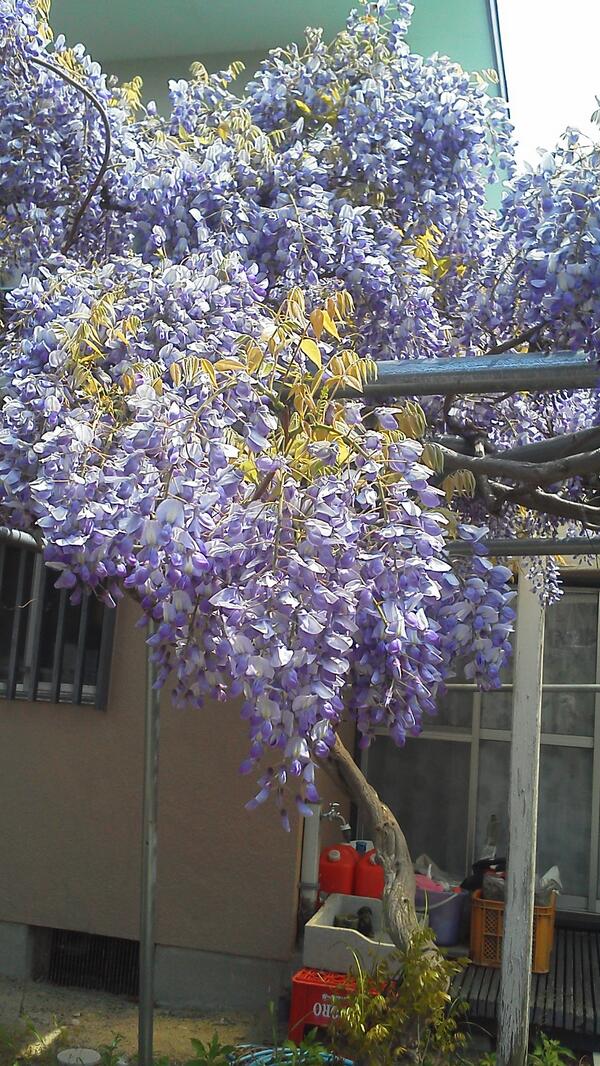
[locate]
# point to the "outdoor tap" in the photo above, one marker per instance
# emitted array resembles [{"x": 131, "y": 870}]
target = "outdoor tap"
[{"x": 334, "y": 814}]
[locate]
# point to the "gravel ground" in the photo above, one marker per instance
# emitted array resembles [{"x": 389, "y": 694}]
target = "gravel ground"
[{"x": 66, "y": 1017}]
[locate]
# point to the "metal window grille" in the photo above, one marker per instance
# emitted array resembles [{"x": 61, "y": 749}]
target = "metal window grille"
[{"x": 50, "y": 649}]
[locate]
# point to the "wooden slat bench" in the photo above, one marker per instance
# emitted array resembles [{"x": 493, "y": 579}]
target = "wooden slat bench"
[{"x": 565, "y": 1001}]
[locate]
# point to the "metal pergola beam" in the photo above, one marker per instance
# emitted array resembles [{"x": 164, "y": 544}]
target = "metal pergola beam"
[
  {"x": 527, "y": 546},
  {"x": 464, "y": 375}
]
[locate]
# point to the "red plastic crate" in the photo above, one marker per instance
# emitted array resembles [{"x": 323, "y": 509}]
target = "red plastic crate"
[{"x": 313, "y": 994}]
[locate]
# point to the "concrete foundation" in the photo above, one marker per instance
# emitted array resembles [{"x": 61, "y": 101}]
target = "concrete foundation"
[
  {"x": 16, "y": 950},
  {"x": 185, "y": 978},
  {"x": 207, "y": 980}
]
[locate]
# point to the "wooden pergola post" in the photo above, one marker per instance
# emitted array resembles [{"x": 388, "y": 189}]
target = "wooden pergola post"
[{"x": 513, "y": 1010}]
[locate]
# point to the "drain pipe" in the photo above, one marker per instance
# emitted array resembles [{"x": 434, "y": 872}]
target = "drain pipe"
[{"x": 309, "y": 868}]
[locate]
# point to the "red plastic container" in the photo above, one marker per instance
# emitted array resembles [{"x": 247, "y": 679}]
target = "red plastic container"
[
  {"x": 368, "y": 877},
  {"x": 336, "y": 869},
  {"x": 313, "y": 999}
]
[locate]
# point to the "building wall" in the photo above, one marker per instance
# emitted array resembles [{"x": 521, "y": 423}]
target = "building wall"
[{"x": 70, "y": 822}]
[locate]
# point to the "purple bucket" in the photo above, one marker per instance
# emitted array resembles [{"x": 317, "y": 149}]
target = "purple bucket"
[{"x": 443, "y": 912}]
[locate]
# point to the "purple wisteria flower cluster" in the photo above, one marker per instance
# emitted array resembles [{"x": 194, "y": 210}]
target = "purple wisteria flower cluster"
[{"x": 170, "y": 362}]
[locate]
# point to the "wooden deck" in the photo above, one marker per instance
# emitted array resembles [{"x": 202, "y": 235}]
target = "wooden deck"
[{"x": 565, "y": 1001}]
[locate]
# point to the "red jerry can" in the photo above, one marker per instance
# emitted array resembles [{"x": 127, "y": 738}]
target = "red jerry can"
[
  {"x": 368, "y": 877},
  {"x": 336, "y": 869}
]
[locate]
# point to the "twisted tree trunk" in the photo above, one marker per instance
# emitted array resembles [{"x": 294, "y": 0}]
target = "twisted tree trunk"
[{"x": 390, "y": 843}]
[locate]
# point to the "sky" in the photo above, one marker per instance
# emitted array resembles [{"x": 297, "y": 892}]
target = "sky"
[{"x": 552, "y": 59}]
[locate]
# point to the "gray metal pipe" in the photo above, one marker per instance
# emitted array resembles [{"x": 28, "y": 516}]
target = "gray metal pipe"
[
  {"x": 148, "y": 874},
  {"x": 516, "y": 548},
  {"x": 508, "y": 372}
]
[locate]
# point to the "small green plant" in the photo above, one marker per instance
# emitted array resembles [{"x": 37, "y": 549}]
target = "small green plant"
[
  {"x": 213, "y": 1053},
  {"x": 548, "y": 1052},
  {"x": 545, "y": 1052},
  {"x": 110, "y": 1053},
  {"x": 403, "y": 1008},
  {"x": 309, "y": 1052}
]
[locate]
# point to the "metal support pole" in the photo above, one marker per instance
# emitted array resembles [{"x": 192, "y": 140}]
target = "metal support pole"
[
  {"x": 509, "y": 372},
  {"x": 513, "y": 1012},
  {"x": 148, "y": 878}
]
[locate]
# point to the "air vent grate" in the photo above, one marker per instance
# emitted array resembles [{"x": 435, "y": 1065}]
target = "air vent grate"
[{"x": 83, "y": 960}]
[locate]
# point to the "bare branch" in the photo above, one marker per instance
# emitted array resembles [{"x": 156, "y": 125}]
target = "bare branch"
[
  {"x": 390, "y": 843},
  {"x": 493, "y": 505},
  {"x": 555, "y": 447},
  {"x": 534, "y": 474},
  {"x": 72, "y": 233},
  {"x": 549, "y": 503},
  {"x": 513, "y": 342}
]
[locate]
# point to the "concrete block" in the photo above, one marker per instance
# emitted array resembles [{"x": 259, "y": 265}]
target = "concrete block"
[
  {"x": 207, "y": 980},
  {"x": 16, "y": 950}
]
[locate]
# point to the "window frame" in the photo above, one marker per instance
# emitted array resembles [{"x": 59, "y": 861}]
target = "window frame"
[
  {"x": 589, "y": 903},
  {"x": 55, "y": 691}
]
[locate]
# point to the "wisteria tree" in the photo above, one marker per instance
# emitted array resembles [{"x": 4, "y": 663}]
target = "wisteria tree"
[{"x": 192, "y": 307}]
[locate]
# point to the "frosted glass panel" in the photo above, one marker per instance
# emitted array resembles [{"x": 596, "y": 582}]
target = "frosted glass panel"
[
  {"x": 564, "y": 815},
  {"x": 455, "y": 709},
  {"x": 568, "y": 712},
  {"x": 426, "y": 785},
  {"x": 570, "y": 644},
  {"x": 496, "y": 710},
  {"x": 492, "y": 794}
]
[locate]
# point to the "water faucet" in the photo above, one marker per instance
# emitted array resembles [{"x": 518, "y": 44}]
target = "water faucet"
[{"x": 334, "y": 814}]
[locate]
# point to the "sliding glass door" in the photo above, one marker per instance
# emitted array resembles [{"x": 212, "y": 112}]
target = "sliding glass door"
[{"x": 449, "y": 787}]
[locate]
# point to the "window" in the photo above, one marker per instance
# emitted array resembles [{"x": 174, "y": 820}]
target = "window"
[
  {"x": 449, "y": 788},
  {"x": 50, "y": 649}
]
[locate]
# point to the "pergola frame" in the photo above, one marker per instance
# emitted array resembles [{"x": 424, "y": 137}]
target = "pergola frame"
[{"x": 505, "y": 373}]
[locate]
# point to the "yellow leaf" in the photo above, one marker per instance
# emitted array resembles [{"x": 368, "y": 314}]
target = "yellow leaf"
[
  {"x": 175, "y": 373},
  {"x": 332, "y": 307},
  {"x": 317, "y": 320},
  {"x": 209, "y": 369},
  {"x": 312, "y": 350},
  {"x": 228, "y": 363},
  {"x": 255, "y": 356},
  {"x": 296, "y": 305},
  {"x": 190, "y": 366},
  {"x": 330, "y": 325},
  {"x": 304, "y": 108}
]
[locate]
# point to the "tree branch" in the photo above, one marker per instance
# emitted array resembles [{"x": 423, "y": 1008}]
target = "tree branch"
[
  {"x": 534, "y": 474},
  {"x": 556, "y": 447},
  {"x": 512, "y": 342},
  {"x": 72, "y": 232},
  {"x": 390, "y": 843},
  {"x": 548, "y": 503},
  {"x": 493, "y": 505}
]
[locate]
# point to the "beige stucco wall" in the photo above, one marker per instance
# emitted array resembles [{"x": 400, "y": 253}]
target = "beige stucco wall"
[{"x": 70, "y": 804}]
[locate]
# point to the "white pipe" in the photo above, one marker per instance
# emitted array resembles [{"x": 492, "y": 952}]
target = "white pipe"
[{"x": 309, "y": 868}]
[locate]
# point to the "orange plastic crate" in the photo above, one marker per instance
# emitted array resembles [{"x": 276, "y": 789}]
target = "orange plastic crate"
[{"x": 487, "y": 933}]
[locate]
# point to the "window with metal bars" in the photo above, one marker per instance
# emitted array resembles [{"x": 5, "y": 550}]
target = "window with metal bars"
[{"x": 50, "y": 649}]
